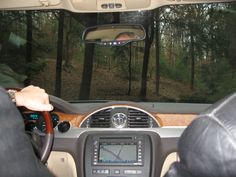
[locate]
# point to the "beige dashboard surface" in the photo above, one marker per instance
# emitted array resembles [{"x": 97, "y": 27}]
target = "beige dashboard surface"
[{"x": 61, "y": 164}]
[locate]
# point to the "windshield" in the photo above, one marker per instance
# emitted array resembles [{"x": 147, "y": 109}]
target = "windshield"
[{"x": 188, "y": 54}]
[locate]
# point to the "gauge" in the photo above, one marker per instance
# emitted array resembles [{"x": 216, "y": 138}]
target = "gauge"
[
  {"x": 31, "y": 116},
  {"x": 35, "y": 120},
  {"x": 55, "y": 119},
  {"x": 30, "y": 120}
]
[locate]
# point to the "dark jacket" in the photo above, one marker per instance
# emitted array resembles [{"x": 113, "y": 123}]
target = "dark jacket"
[
  {"x": 16, "y": 152},
  {"x": 207, "y": 147}
]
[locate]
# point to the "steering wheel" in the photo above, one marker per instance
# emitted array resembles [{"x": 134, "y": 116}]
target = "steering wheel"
[
  {"x": 42, "y": 142},
  {"x": 44, "y": 150}
]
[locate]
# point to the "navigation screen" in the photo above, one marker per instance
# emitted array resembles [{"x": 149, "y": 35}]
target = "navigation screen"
[{"x": 117, "y": 153}]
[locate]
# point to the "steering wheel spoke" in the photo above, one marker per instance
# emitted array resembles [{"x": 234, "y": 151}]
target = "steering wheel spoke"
[
  {"x": 36, "y": 140},
  {"x": 42, "y": 141}
]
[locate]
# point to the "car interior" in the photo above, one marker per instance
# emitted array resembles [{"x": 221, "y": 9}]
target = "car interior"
[{"x": 107, "y": 137}]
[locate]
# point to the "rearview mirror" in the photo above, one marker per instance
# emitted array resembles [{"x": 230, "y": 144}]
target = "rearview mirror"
[{"x": 113, "y": 34}]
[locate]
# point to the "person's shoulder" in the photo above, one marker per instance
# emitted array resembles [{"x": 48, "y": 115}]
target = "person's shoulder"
[{"x": 2, "y": 90}]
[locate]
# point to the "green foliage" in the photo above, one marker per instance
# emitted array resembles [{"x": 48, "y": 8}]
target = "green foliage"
[
  {"x": 103, "y": 57},
  {"x": 136, "y": 68},
  {"x": 217, "y": 80},
  {"x": 179, "y": 72},
  {"x": 122, "y": 61},
  {"x": 199, "y": 31},
  {"x": 35, "y": 67}
]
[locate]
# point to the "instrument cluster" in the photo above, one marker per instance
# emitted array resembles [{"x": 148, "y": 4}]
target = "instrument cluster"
[{"x": 34, "y": 120}]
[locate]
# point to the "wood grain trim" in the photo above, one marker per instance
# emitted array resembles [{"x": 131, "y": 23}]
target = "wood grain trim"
[
  {"x": 163, "y": 119},
  {"x": 176, "y": 119},
  {"x": 74, "y": 119},
  {"x": 48, "y": 122}
]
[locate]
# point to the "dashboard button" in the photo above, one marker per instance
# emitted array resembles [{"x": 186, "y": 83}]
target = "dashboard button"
[
  {"x": 111, "y": 5},
  {"x": 139, "y": 172},
  {"x": 104, "y": 6},
  {"x": 130, "y": 172},
  {"x": 63, "y": 126},
  {"x": 116, "y": 171},
  {"x": 101, "y": 171},
  {"x": 106, "y": 171},
  {"x": 118, "y": 5}
]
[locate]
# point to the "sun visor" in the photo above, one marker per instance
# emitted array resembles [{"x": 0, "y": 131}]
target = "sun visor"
[{"x": 17, "y": 4}]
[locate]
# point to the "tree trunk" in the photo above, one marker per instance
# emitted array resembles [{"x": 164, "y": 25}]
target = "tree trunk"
[
  {"x": 192, "y": 58},
  {"x": 59, "y": 54},
  {"x": 130, "y": 69},
  {"x": 87, "y": 72},
  {"x": 29, "y": 37},
  {"x": 67, "y": 54},
  {"x": 148, "y": 41},
  {"x": 231, "y": 28},
  {"x": 88, "y": 64},
  {"x": 157, "y": 52}
]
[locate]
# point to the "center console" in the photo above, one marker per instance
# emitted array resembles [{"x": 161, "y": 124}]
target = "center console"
[{"x": 117, "y": 155}]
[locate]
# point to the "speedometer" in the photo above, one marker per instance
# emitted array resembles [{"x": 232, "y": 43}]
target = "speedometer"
[{"x": 35, "y": 120}]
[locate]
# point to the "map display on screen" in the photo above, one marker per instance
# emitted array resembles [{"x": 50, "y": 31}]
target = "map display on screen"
[{"x": 117, "y": 153}]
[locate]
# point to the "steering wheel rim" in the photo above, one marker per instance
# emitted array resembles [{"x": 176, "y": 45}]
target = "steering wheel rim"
[
  {"x": 45, "y": 150},
  {"x": 48, "y": 139}
]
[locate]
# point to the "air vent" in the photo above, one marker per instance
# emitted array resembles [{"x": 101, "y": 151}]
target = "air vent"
[
  {"x": 137, "y": 119},
  {"x": 100, "y": 119}
]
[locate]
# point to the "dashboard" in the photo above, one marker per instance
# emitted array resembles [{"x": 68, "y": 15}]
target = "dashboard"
[
  {"x": 114, "y": 115},
  {"x": 113, "y": 139}
]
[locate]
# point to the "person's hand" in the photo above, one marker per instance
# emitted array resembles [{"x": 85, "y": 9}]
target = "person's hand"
[{"x": 33, "y": 98}]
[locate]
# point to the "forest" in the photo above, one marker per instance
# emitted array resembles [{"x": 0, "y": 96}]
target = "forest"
[{"x": 188, "y": 54}]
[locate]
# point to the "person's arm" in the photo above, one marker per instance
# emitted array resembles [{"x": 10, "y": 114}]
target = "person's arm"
[
  {"x": 16, "y": 150},
  {"x": 33, "y": 98}
]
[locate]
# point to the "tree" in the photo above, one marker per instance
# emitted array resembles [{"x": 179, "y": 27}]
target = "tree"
[
  {"x": 157, "y": 45},
  {"x": 68, "y": 36},
  {"x": 149, "y": 27},
  {"x": 29, "y": 39},
  {"x": 130, "y": 68},
  {"x": 192, "y": 55},
  {"x": 231, "y": 35},
  {"x": 59, "y": 53},
  {"x": 88, "y": 63}
]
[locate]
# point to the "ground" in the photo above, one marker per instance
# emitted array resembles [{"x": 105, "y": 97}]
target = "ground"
[{"x": 107, "y": 85}]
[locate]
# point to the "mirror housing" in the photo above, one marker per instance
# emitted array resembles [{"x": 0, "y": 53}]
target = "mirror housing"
[{"x": 113, "y": 34}]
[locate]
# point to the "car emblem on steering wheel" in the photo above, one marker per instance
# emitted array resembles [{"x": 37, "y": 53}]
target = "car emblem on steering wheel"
[{"x": 119, "y": 120}]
